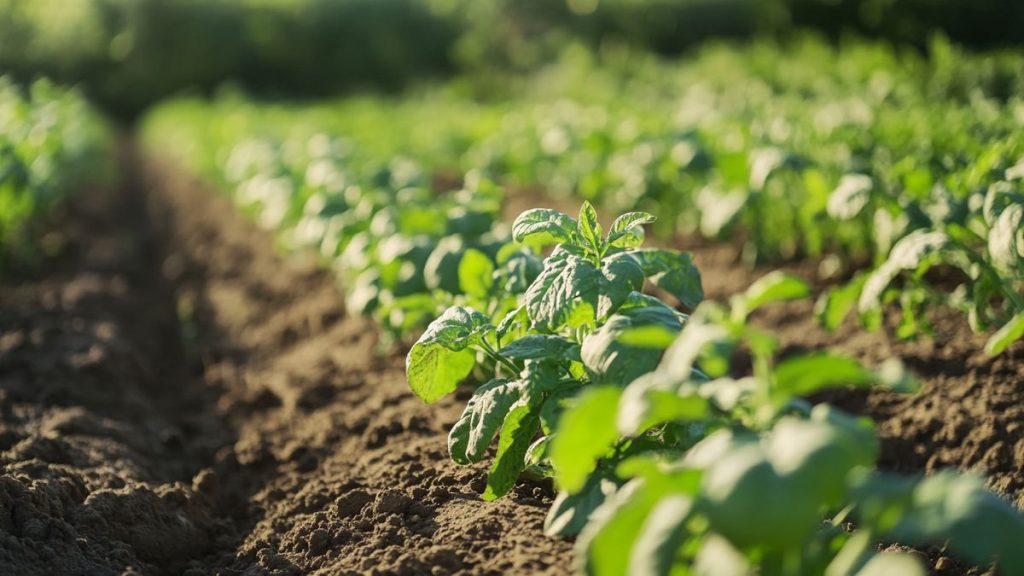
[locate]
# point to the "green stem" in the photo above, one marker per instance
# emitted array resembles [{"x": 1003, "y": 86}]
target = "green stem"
[{"x": 490, "y": 351}]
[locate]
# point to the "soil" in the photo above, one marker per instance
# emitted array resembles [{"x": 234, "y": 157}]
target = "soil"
[{"x": 176, "y": 398}]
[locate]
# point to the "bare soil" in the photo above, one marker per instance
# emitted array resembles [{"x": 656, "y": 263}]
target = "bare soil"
[{"x": 176, "y": 398}]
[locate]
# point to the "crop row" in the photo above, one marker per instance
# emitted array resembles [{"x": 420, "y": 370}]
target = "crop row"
[
  {"x": 880, "y": 165},
  {"x": 666, "y": 461},
  {"x": 50, "y": 143}
]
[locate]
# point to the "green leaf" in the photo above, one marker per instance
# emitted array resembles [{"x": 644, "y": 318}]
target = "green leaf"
[
  {"x": 604, "y": 545},
  {"x": 851, "y": 196},
  {"x": 853, "y": 555},
  {"x": 630, "y": 220},
  {"x": 536, "y": 346},
  {"x": 441, "y": 271},
  {"x": 816, "y": 456},
  {"x": 440, "y": 359},
  {"x": 974, "y": 522},
  {"x": 719, "y": 209},
  {"x": 609, "y": 544},
  {"x": 586, "y": 432},
  {"x": 567, "y": 284},
  {"x": 516, "y": 437},
  {"x": 835, "y": 305},
  {"x": 909, "y": 253},
  {"x": 812, "y": 373},
  {"x": 660, "y": 537},
  {"x": 407, "y": 313},
  {"x": 518, "y": 269},
  {"x": 589, "y": 228},
  {"x": 554, "y": 406},
  {"x": 483, "y": 415},
  {"x": 544, "y": 226},
  {"x": 999, "y": 197},
  {"x": 610, "y": 361},
  {"x": 673, "y": 272},
  {"x": 569, "y": 513},
  {"x": 1006, "y": 240},
  {"x": 476, "y": 273},
  {"x": 697, "y": 337},
  {"x": 624, "y": 225},
  {"x": 629, "y": 239},
  {"x": 720, "y": 558},
  {"x": 773, "y": 287},
  {"x": 622, "y": 276},
  {"x": 644, "y": 405},
  {"x": 514, "y": 324},
  {"x": 649, "y": 336},
  {"x": 1008, "y": 334}
]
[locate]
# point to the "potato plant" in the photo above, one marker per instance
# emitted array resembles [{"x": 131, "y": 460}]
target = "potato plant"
[
  {"x": 746, "y": 475},
  {"x": 666, "y": 462},
  {"x": 50, "y": 142},
  {"x": 563, "y": 336},
  {"x": 379, "y": 223},
  {"x": 984, "y": 245}
]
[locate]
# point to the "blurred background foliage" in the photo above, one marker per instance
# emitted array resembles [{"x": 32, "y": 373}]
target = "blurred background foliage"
[{"x": 128, "y": 54}]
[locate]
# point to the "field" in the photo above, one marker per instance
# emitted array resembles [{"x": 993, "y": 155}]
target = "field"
[{"x": 756, "y": 312}]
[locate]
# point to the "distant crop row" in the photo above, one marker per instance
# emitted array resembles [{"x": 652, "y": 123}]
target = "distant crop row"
[
  {"x": 51, "y": 143},
  {"x": 666, "y": 460},
  {"x": 879, "y": 165}
]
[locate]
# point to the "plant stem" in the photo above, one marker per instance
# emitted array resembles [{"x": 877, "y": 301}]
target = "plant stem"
[{"x": 490, "y": 351}]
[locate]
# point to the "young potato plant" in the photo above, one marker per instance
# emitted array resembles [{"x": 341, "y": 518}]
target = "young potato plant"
[
  {"x": 986, "y": 246},
  {"x": 401, "y": 242},
  {"x": 561, "y": 338},
  {"x": 688, "y": 470},
  {"x": 51, "y": 144},
  {"x": 419, "y": 253}
]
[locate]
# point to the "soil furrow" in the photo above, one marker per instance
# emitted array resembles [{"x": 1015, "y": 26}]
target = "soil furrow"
[
  {"x": 343, "y": 469},
  {"x": 101, "y": 425}
]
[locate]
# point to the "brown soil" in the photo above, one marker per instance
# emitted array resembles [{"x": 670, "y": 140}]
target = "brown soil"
[
  {"x": 175, "y": 398},
  {"x": 179, "y": 399}
]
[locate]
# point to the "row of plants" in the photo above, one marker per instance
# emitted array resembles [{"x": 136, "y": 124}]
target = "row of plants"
[
  {"x": 668, "y": 458},
  {"x": 851, "y": 156},
  {"x": 665, "y": 463},
  {"x": 865, "y": 158},
  {"x": 377, "y": 218},
  {"x": 51, "y": 144}
]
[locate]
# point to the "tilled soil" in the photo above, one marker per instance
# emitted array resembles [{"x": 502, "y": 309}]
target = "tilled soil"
[
  {"x": 179, "y": 399},
  {"x": 175, "y": 398}
]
